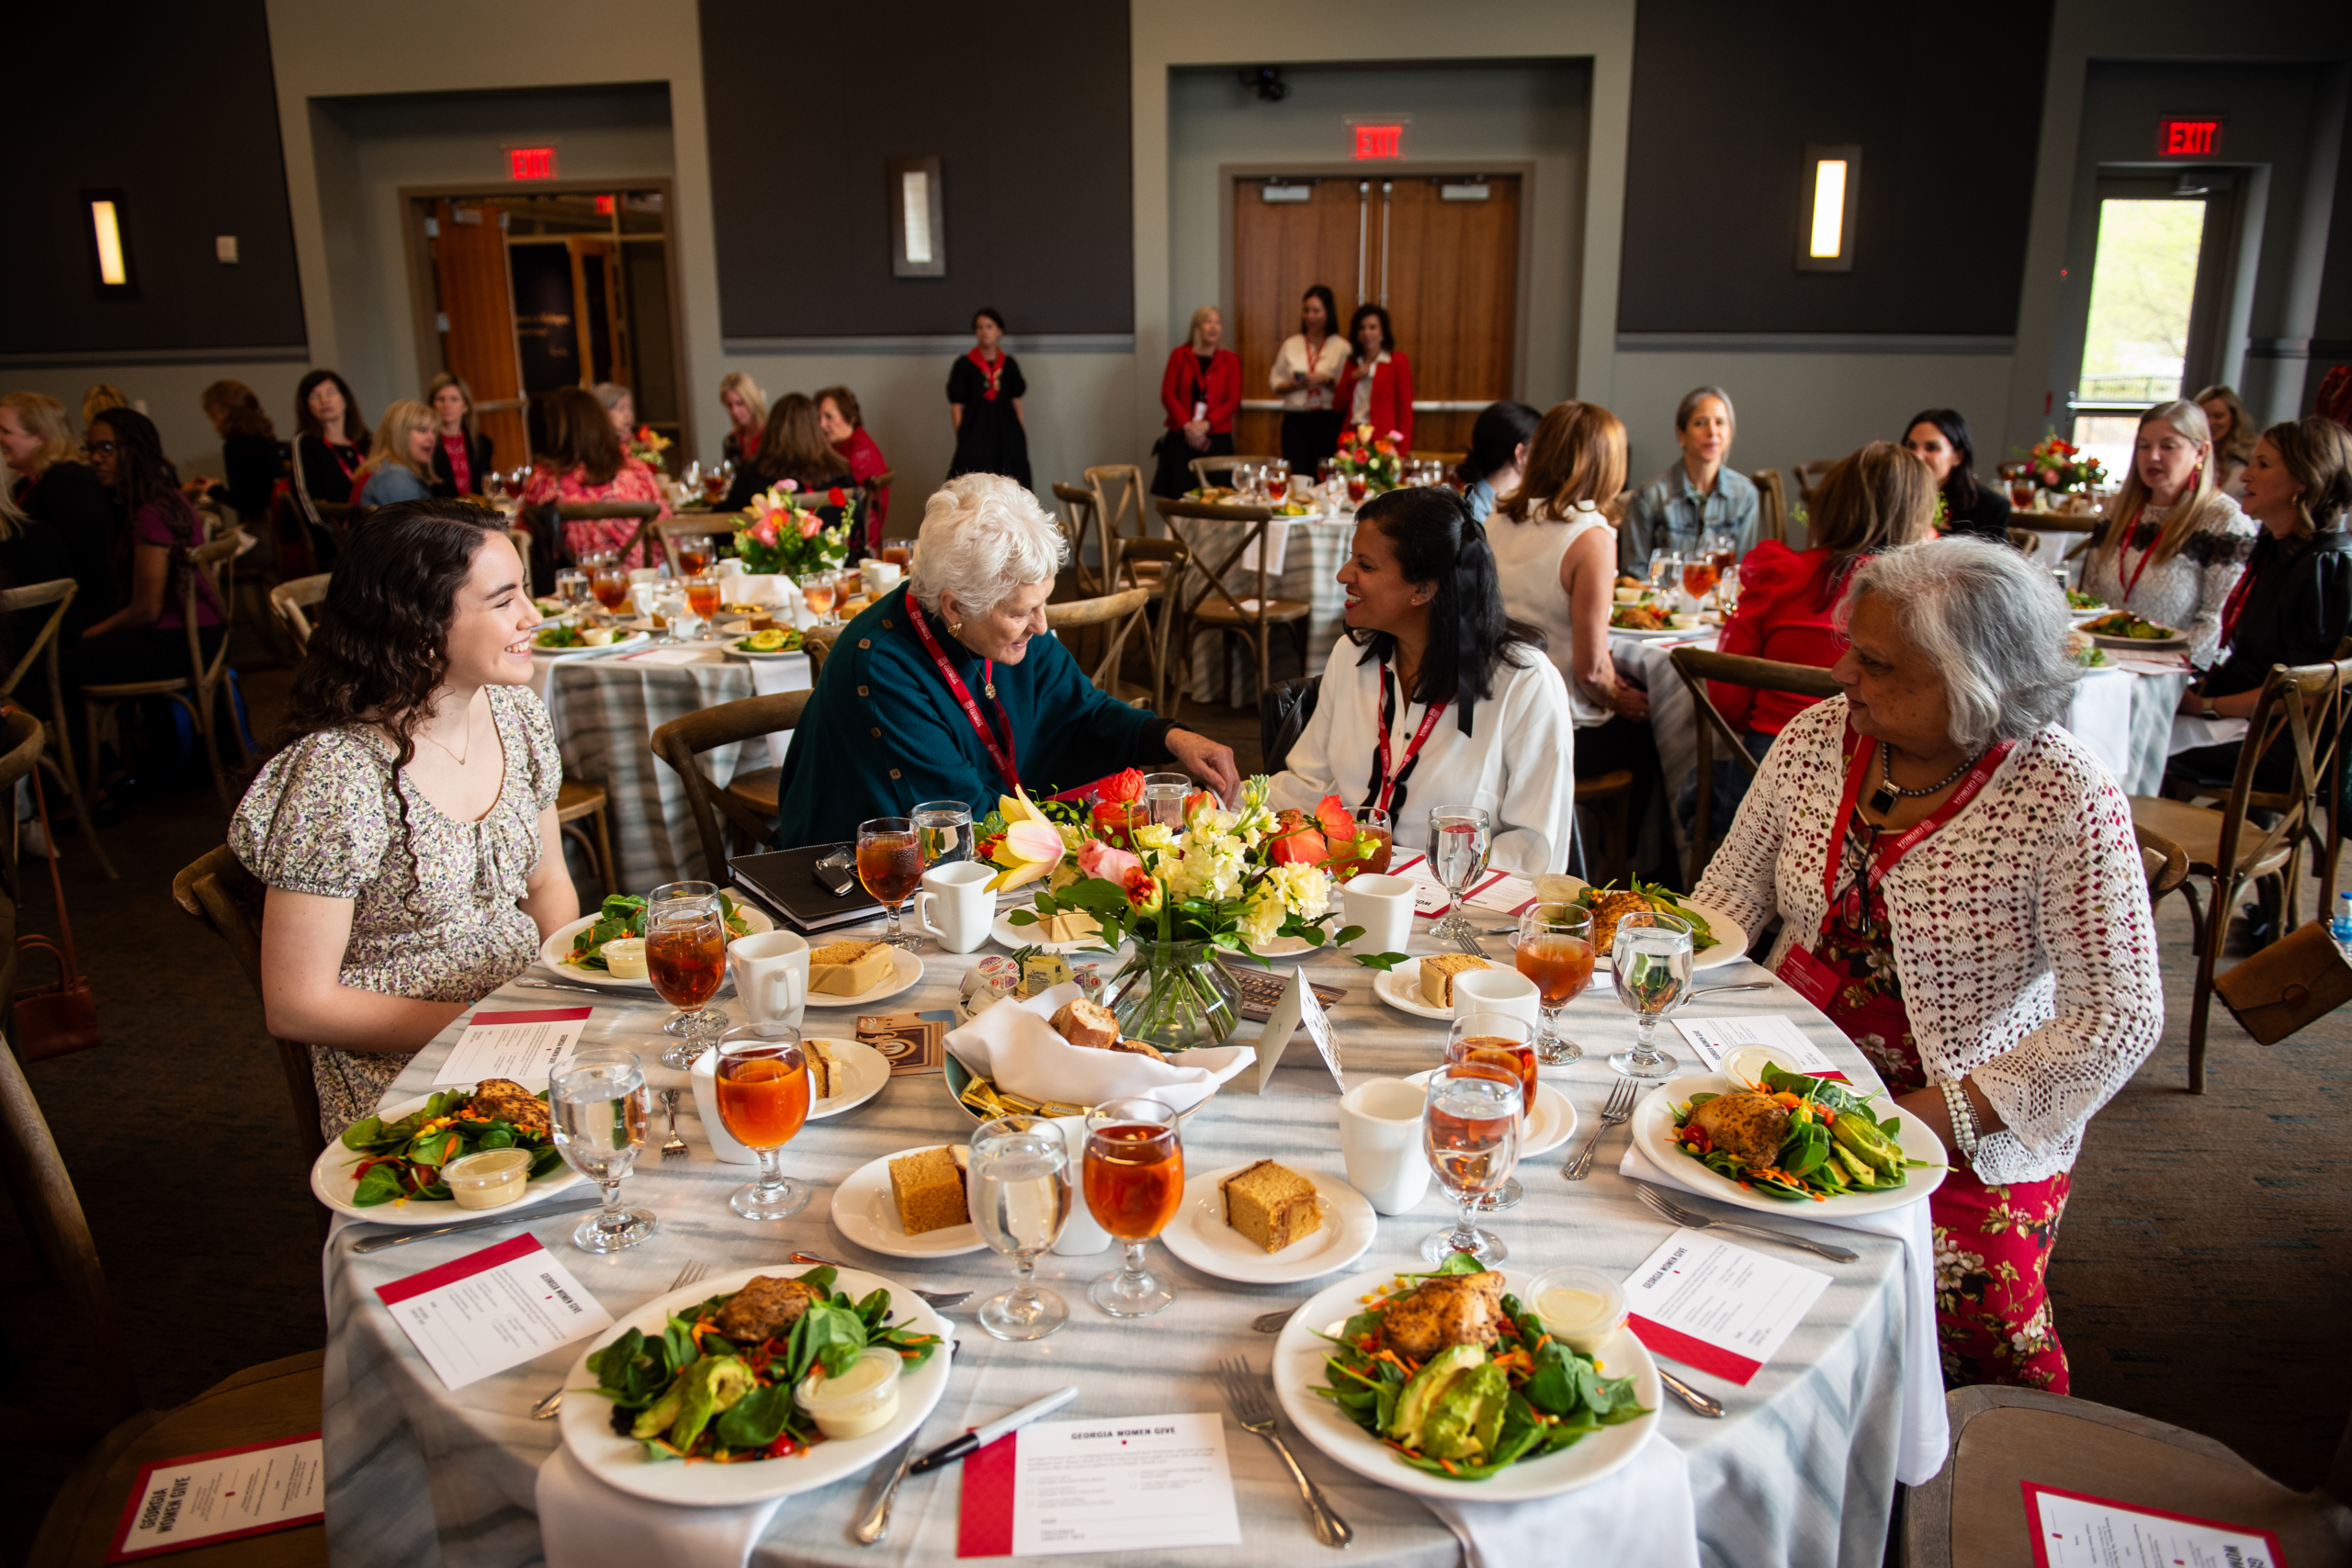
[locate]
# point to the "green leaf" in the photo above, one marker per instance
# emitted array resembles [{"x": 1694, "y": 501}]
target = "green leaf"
[
  {"x": 364, "y": 1134},
  {"x": 1345, "y": 935},
  {"x": 381, "y": 1184},
  {"x": 755, "y": 1419},
  {"x": 820, "y": 1279},
  {"x": 827, "y": 1336},
  {"x": 1381, "y": 960}
]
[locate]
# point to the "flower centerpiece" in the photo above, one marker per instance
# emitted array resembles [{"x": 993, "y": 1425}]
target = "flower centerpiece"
[
  {"x": 647, "y": 446},
  {"x": 2060, "y": 465},
  {"x": 1372, "y": 459},
  {"x": 783, "y": 531},
  {"x": 1228, "y": 880}
]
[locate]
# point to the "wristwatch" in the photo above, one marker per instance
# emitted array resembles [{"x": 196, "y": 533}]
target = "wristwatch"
[{"x": 2211, "y": 711}]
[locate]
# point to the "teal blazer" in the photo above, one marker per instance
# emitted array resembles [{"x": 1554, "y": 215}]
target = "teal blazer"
[{"x": 882, "y": 732}]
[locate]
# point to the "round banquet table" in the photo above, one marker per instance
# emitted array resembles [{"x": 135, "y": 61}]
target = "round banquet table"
[{"x": 1799, "y": 1472}]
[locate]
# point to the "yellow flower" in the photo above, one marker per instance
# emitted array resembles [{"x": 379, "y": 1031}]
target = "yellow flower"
[{"x": 1032, "y": 845}]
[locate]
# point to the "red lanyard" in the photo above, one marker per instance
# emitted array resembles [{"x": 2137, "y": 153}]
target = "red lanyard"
[
  {"x": 2235, "y": 605},
  {"x": 2124, "y": 544},
  {"x": 1388, "y": 783},
  {"x": 1000, "y": 755},
  {"x": 993, "y": 373},
  {"x": 1885, "y": 855}
]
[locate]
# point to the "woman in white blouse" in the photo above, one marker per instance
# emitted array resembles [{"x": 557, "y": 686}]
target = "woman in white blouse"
[
  {"x": 1471, "y": 711},
  {"x": 1961, "y": 891},
  {"x": 2173, "y": 545},
  {"x": 1305, "y": 370}
]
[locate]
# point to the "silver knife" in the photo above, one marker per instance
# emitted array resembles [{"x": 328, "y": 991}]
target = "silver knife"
[
  {"x": 529, "y": 1217},
  {"x": 555, "y": 985}
]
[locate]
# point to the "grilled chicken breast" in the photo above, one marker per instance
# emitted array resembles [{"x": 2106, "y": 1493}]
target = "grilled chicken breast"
[
  {"x": 1607, "y": 909},
  {"x": 1748, "y": 1126},
  {"x": 506, "y": 1100},
  {"x": 764, "y": 1308},
  {"x": 1450, "y": 1309}
]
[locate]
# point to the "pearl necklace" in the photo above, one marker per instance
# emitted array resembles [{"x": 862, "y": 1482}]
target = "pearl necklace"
[{"x": 1882, "y": 800}]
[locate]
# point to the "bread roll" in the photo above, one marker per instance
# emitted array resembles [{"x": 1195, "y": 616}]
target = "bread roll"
[{"x": 1082, "y": 1022}]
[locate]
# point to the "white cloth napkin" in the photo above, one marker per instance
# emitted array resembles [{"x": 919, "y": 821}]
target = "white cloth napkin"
[
  {"x": 2189, "y": 731},
  {"x": 586, "y": 1524},
  {"x": 1926, "y": 1432},
  {"x": 1640, "y": 1518},
  {"x": 1013, "y": 1044},
  {"x": 1277, "y": 547},
  {"x": 766, "y": 589}
]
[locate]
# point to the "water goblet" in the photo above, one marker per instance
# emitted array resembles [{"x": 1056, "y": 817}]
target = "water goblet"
[
  {"x": 1555, "y": 949},
  {"x": 890, "y": 862},
  {"x": 599, "y": 1106},
  {"x": 1134, "y": 1173},
  {"x": 1651, "y": 958},
  {"x": 763, "y": 1083},
  {"x": 1461, "y": 838},
  {"x": 1499, "y": 1046},
  {"x": 685, "y": 957},
  {"x": 572, "y": 586},
  {"x": 945, "y": 827},
  {"x": 1020, "y": 1199},
  {"x": 1163, "y": 799},
  {"x": 1470, "y": 1130}
]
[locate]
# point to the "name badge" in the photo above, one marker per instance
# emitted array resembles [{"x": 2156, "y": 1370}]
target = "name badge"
[{"x": 1809, "y": 977}]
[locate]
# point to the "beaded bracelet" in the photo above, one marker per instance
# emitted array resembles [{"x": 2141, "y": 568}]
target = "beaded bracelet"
[{"x": 1964, "y": 1118}]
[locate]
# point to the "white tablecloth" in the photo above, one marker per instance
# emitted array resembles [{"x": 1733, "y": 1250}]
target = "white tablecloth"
[
  {"x": 1801, "y": 1472},
  {"x": 1303, "y": 558}
]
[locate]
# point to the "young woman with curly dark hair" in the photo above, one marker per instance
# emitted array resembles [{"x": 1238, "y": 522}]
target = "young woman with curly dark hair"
[{"x": 405, "y": 825}]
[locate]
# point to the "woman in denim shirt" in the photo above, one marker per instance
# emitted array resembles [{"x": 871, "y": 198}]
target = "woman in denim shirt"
[{"x": 1695, "y": 496}]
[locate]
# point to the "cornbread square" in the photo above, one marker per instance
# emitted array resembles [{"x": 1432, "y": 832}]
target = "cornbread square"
[
  {"x": 929, "y": 1190},
  {"x": 1071, "y": 925},
  {"x": 1270, "y": 1204},
  {"x": 848, "y": 968},
  {"x": 1438, "y": 973},
  {"x": 825, "y": 1076}
]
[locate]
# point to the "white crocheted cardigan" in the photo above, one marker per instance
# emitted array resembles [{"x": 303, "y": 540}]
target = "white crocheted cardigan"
[{"x": 2021, "y": 929}]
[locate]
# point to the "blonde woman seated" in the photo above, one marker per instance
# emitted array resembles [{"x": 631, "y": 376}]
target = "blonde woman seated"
[
  {"x": 2235, "y": 433},
  {"x": 2171, "y": 545},
  {"x": 400, "y": 465},
  {"x": 1961, "y": 891},
  {"x": 1435, "y": 696}
]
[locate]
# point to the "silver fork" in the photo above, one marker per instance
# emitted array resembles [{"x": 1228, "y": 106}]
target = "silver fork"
[
  {"x": 933, "y": 1298},
  {"x": 1248, "y": 1396},
  {"x": 676, "y": 1146},
  {"x": 546, "y": 1409},
  {"x": 1670, "y": 1209},
  {"x": 1620, "y": 1107}
]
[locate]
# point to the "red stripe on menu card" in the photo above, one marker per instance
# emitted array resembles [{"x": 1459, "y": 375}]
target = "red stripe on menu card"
[
  {"x": 545, "y": 1015},
  {"x": 1693, "y": 1352},
  {"x": 449, "y": 1273},
  {"x": 984, "y": 1527}
]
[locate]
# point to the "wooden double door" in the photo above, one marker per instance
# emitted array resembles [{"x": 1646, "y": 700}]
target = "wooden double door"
[{"x": 1440, "y": 252}]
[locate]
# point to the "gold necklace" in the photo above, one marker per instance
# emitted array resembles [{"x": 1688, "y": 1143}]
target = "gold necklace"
[{"x": 455, "y": 757}]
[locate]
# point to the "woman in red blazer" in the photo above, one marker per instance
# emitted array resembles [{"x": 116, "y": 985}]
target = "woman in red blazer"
[
  {"x": 1377, "y": 387},
  {"x": 1200, "y": 391}
]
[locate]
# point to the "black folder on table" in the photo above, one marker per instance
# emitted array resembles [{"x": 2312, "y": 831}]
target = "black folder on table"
[{"x": 790, "y": 886}]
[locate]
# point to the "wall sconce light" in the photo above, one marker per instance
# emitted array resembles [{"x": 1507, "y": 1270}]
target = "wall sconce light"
[
  {"x": 917, "y": 219},
  {"x": 110, "y": 245},
  {"x": 1833, "y": 178}
]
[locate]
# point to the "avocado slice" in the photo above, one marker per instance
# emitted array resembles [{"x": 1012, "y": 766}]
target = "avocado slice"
[{"x": 1415, "y": 1405}]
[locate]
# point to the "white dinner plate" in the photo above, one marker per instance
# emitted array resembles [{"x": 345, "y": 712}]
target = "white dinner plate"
[
  {"x": 1554, "y": 1123},
  {"x": 865, "y": 1072},
  {"x": 552, "y": 951},
  {"x": 1298, "y": 1370},
  {"x": 2079, "y": 616},
  {"x": 754, "y": 654},
  {"x": 1284, "y": 947},
  {"x": 865, "y": 1212},
  {"x": 1658, "y": 636},
  {"x": 1653, "y": 1131},
  {"x": 1201, "y": 1237},
  {"x": 906, "y": 970},
  {"x": 1731, "y": 938},
  {"x": 621, "y": 1462},
  {"x": 2172, "y": 644},
  {"x": 1014, "y": 938},
  {"x": 622, "y": 644},
  {"x": 333, "y": 1180}
]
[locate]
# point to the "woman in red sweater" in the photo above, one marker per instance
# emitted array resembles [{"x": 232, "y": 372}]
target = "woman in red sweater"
[
  {"x": 1200, "y": 391},
  {"x": 1876, "y": 498},
  {"x": 1376, "y": 385},
  {"x": 844, "y": 425}
]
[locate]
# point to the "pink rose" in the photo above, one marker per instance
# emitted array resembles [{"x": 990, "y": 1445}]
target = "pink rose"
[
  {"x": 763, "y": 532},
  {"x": 1096, "y": 858},
  {"x": 790, "y": 486},
  {"x": 809, "y": 524}
]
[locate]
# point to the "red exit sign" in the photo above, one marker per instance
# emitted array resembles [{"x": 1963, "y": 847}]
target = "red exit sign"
[
  {"x": 1380, "y": 140},
  {"x": 2188, "y": 137},
  {"x": 530, "y": 162}
]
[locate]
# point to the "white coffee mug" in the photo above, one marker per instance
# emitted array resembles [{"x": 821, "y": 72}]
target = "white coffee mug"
[
  {"x": 1081, "y": 1237},
  {"x": 1380, "y": 1139},
  {"x": 1497, "y": 990},
  {"x": 771, "y": 977},
  {"x": 729, "y": 567},
  {"x": 955, "y": 905},
  {"x": 1382, "y": 906},
  {"x": 878, "y": 575},
  {"x": 723, "y": 1147},
  {"x": 643, "y": 595}
]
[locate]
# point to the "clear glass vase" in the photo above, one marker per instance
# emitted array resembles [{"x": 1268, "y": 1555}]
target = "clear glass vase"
[{"x": 1175, "y": 995}]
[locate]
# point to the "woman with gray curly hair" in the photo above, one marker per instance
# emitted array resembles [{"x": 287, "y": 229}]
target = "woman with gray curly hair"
[
  {"x": 1960, "y": 891},
  {"x": 946, "y": 689}
]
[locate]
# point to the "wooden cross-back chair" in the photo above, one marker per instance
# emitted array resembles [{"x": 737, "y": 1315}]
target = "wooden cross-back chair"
[
  {"x": 1080, "y": 520},
  {"x": 57, "y": 761},
  {"x": 196, "y": 693},
  {"x": 1771, "y": 506},
  {"x": 2305, "y": 706},
  {"x": 290, "y": 599},
  {"x": 748, "y": 804},
  {"x": 1696, "y": 667},
  {"x": 24, "y": 741},
  {"x": 1081, "y": 517},
  {"x": 1120, "y": 614},
  {"x": 1139, "y": 559},
  {"x": 1212, "y": 606},
  {"x": 870, "y": 490},
  {"x": 665, "y": 530},
  {"x": 556, "y": 514}
]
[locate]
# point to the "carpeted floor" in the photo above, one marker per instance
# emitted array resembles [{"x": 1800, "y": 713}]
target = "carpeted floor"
[{"x": 2200, "y": 1275}]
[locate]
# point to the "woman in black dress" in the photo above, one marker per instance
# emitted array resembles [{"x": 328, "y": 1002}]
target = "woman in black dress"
[
  {"x": 984, "y": 393},
  {"x": 252, "y": 461},
  {"x": 1938, "y": 437}
]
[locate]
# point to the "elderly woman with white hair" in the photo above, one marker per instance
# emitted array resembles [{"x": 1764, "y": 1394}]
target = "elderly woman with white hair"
[
  {"x": 947, "y": 689},
  {"x": 1959, "y": 890}
]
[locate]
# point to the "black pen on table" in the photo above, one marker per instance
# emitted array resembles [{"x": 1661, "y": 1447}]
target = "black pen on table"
[{"x": 982, "y": 1436}]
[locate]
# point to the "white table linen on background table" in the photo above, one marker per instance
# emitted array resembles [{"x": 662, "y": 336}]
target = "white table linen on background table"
[
  {"x": 1799, "y": 1472},
  {"x": 1304, "y": 562},
  {"x": 1640, "y": 1518}
]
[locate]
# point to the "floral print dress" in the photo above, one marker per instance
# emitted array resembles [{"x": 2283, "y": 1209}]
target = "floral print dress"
[{"x": 1992, "y": 1242}]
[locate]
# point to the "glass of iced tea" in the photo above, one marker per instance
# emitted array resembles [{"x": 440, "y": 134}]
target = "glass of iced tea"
[
  {"x": 685, "y": 957},
  {"x": 762, "y": 1081},
  {"x": 703, "y": 596},
  {"x": 899, "y": 553},
  {"x": 1555, "y": 952},
  {"x": 1376, "y": 841},
  {"x": 818, "y": 590},
  {"x": 1134, "y": 1182},
  {"x": 715, "y": 483},
  {"x": 608, "y": 580},
  {"x": 693, "y": 554},
  {"x": 1698, "y": 577},
  {"x": 890, "y": 862},
  {"x": 1355, "y": 490}
]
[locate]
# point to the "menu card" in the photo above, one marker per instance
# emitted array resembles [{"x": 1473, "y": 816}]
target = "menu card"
[
  {"x": 2074, "y": 1529},
  {"x": 1115, "y": 1483},
  {"x": 525, "y": 1046},
  {"x": 1301, "y": 1005},
  {"x": 1721, "y": 1308},
  {"x": 494, "y": 1309},
  {"x": 203, "y": 1499},
  {"x": 1715, "y": 1038}
]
